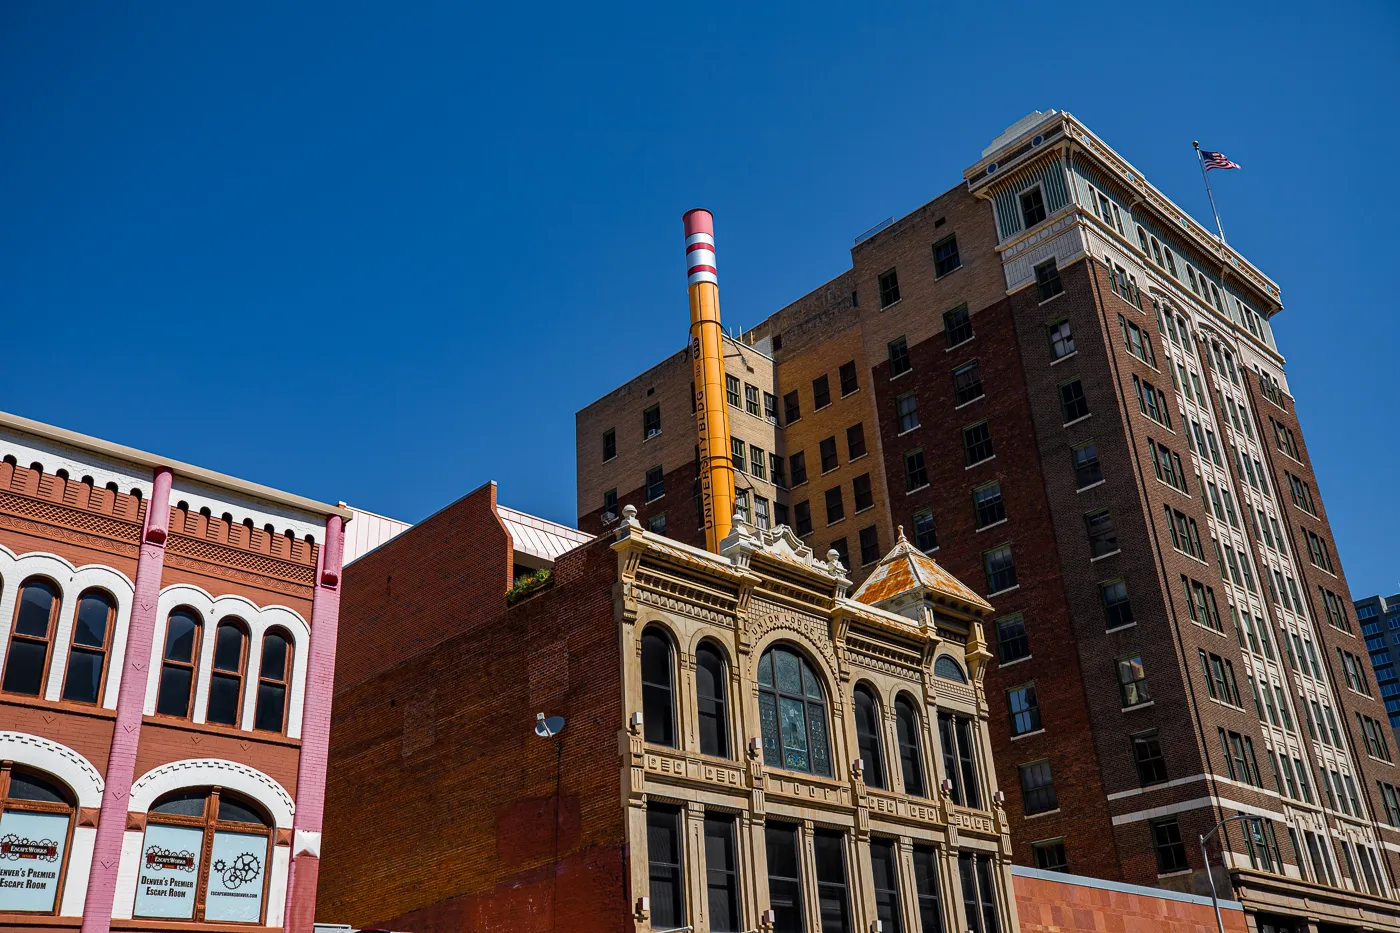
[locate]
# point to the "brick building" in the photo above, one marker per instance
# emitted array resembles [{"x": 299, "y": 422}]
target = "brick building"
[
  {"x": 168, "y": 638},
  {"x": 744, "y": 743},
  {"x": 1071, "y": 394}
]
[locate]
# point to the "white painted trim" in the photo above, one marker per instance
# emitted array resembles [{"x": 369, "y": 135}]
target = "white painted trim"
[
  {"x": 1196, "y": 804},
  {"x": 79, "y": 867},
  {"x": 124, "y": 896},
  {"x": 200, "y": 772},
  {"x": 277, "y": 885},
  {"x": 80, "y": 775},
  {"x": 306, "y": 842}
]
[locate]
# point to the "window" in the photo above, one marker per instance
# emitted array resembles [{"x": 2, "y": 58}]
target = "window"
[
  {"x": 739, "y": 454},
  {"x": 869, "y": 545},
  {"x": 864, "y": 497},
  {"x": 979, "y": 896},
  {"x": 1103, "y": 537},
  {"x": 1166, "y": 463},
  {"x": 1012, "y": 643},
  {"x": 651, "y": 422},
  {"x": 1147, "y": 756},
  {"x": 802, "y": 514},
  {"x": 610, "y": 504},
  {"x": 1151, "y": 402},
  {"x": 899, "y": 357},
  {"x": 784, "y": 877},
  {"x": 36, "y": 824},
  {"x": 855, "y": 442},
  {"x": 987, "y": 504},
  {"x": 957, "y": 325},
  {"x": 1032, "y": 207},
  {"x": 906, "y": 408},
  {"x": 770, "y": 407},
  {"x": 1286, "y": 441},
  {"x": 1132, "y": 681},
  {"x": 656, "y": 484},
  {"x": 1351, "y": 667},
  {"x": 1317, "y": 551},
  {"x": 884, "y": 872},
  {"x": 867, "y": 718},
  {"x": 1073, "y": 404},
  {"x": 1138, "y": 341},
  {"x": 226, "y": 679},
  {"x": 1117, "y": 609},
  {"x": 788, "y": 688},
  {"x": 967, "y": 383},
  {"x": 712, "y": 696},
  {"x": 751, "y": 399},
  {"x": 847, "y": 374},
  {"x": 833, "y": 901},
  {"x": 977, "y": 443},
  {"x": 274, "y": 676},
  {"x": 1186, "y": 536},
  {"x": 1050, "y": 855},
  {"x": 609, "y": 444},
  {"x": 911, "y": 756},
  {"x": 835, "y": 508},
  {"x": 1390, "y": 797},
  {"x": 1061, "y": 339},
  {"x": 1047, "y": 280},
  {"x": 889, "y": 288},
  {"x": 177, "y": 668},
  {"x": 760, "y": 513},
  {"x": 798, "y": 463},
  {"x": 741, "y": 505},
  {"x": 1171, "y": 851},
  {"x": 1024, "y": 709},
  {"x": 926, "y": 887},
  {"x": 757, "y": 459},
  {"x": 658, "y": 692},
  {"x": 945, "y": 256},
  {"x": 731, "y": 390},
  {"x": 1037, "y": 788},
  {"x": 665, "y": 873},
  {"x": 722, "y": 874},
  {"x": 925, "y": 534},
  {"x": 1000, "y": 569},
  {"x": 27, "y": 663},
  {"x": 776, "y": 467},
  {"x": 792, "y": 407},
  {"x": 821, "y": 392},
  {"x": 87, "y": 656},
  {"x": 1086, "y": 465},
  {"x": 955, "y": 736},
  {"x": 839, "y": 546}
]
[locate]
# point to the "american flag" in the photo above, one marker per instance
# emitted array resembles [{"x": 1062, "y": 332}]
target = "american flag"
[{"x": 1216, "y": 160}]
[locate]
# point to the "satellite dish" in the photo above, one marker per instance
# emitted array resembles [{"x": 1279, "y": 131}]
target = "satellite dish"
[{"x": 548, "y": 727}]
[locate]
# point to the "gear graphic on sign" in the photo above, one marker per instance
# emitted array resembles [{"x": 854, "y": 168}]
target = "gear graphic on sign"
[
  {"x": 241, "y": 871},
  {"x": 14, "y": 847}
]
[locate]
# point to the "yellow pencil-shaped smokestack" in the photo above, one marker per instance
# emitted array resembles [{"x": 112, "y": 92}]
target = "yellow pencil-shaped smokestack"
[{"x": 707, "y": 351}]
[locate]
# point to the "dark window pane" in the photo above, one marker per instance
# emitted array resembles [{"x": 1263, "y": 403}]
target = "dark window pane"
[
  {"x": 274, "y": 657},
  {"x": 33, "y": 787},
  {"x": 231, "y": 808},
  {"x": 722, "y": 874},
  {"x": 180, "y": 636},
  {"x": 664, "y": 867},
  {"x": 182, "y": 803},
  {"x": 223, "y": 699},
  {"x": 868, "y": 737},
  {"x": 710, "y": 692},
  {"x": 883, "y": 868},
  {"x": 910, "y": 756},
  {"x": 658, "y": 711},
  {"x": 832, "y": 899},
  {"x": 84, "y": 676},
  {"x": 174, "y": 696},
  {"x": 36, "y": 603},
  {"x": 926, "y": 886},
  {"x": 24, "y": 668},
  {"x": 784, "y": 878},
  {"x": 90, "y": 626},
  {"x": 272, "y": 699},
  {"x": 228, "y": 649}
]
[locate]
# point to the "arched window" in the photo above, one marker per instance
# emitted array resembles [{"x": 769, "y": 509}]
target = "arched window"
[
  {"x": 658, "y": 689},
  {"x": 792, "y": 713},
  {"x": 87, "y": 657},
  {"x": 226, "y": 679},
  {"x": 868, "y": 736},
  {"x": 177, "y": 668},
  {"x": 948, "y": 669},
  {"x": 37, "y": 830},
  {"x": 27, "y": 663},
  {"x": 911, "y": 758},
  {"x": 178, "y": 882},
  {"x": 274, "y": 674},
  {"x": 712, "y": 695}
]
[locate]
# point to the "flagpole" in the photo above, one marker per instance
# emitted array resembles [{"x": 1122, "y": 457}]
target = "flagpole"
[{"x": 1204, "y": 178}]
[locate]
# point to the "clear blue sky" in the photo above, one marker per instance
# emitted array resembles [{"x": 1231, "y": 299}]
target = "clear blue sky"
[{"x": 383, "y": 253}]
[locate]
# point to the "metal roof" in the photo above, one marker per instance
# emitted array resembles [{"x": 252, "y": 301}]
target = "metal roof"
[
  {"x": 538, "y": 537},
  {"x": 906, "y": 568}
]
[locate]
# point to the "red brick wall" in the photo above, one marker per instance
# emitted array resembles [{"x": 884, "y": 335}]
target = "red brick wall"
[{"x": 1063, "y": 906}]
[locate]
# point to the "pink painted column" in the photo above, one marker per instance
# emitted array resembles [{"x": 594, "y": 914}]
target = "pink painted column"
[
  {"x": 315, "y": 736},
  {"x": 131, "y": 698}
]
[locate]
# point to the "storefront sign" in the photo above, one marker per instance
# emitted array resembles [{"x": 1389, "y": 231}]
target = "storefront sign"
[
  {"x": 169, "y": 872},
  {"x": 235, "y": 889},
  {"x": 31, "y": 859}
]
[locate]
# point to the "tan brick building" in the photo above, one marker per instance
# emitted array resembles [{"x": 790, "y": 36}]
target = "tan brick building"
[{"x": 1076, "y": 400}]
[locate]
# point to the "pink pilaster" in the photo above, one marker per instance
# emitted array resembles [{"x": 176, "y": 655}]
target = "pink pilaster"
[
  {"x": 131, "y": 699},
  {"x": 315, "y": 736}
]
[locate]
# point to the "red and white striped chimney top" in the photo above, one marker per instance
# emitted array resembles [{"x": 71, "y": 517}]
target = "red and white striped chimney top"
[{"x": 700, "y": 246}]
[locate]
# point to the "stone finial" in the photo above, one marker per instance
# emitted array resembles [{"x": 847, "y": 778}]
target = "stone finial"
[
  {"x": 900, "y": 539},
  {"x": 833, "y": 560},
  {"x": 629, "y": 515}
]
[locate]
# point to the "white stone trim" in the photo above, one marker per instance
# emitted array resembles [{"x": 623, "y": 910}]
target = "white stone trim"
[
  {"x": 277, "y": 886},
  {"x": 258, "y": 620},
  {"x": 28, "y": 449},
  {"x": 124, "y": 896},
  {"x": 200, "y": 772},
  {"x": 71, "y": 581},
  {"x": 74, "y": 770},
  {"x": 218, "y": 501},
  {"x": 79, "y": 867},
  {"x": 306, "y": 842}
]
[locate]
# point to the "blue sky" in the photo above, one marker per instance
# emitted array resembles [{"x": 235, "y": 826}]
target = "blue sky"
[{"x": 383, "y": 253}]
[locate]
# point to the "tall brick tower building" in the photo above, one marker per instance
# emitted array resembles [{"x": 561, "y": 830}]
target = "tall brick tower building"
[{"x": 1068, "y": 390}]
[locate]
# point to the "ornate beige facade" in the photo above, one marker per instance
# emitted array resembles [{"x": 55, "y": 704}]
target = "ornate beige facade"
[{"x": 909, "y": 640}]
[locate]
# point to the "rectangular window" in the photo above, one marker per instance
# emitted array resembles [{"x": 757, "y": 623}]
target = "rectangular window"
[
  {"x": 884, "y": 869},
  {"x": 1087, "y": 471},
  {"x": 657, "y": 523},
  {"x": 847, "y": 374},
  {"x": 1132, "y": 681},
  {"x": 1137, "y": 341},
  {"x": 731, "y": 390},
  {"x": 1024, "y": 709},
  {"x": 1147, "y": 756},
  {"x": 855, "y": 441},
  {"x": 739, "y": 454},
  {"x": 1171, "y": 850},
  {"x": 967, "y": 383},
  {"x": 741, "y": 505},
  {"x": 861, "y": 487},
  {"x": 821, "y": 393},
  {"x": 827, "y": 448},
  {"x": 722, "y": 874},
  {"x": 977, "y": 443},
  {"x": 835, "y": 508},
  {"x": 906, "y": 409},
  {"x": 777, "y": 468},
  {"x": 609, "y": 444},
  {"x": 987, "y": 504},
  {"x": 760, "y": 512},
  {"x": 757, "y": 462},
  {"x": 610, "y": 505},
  {"x": 979, "y": 897},
  {"x": 792, "y": 407},
  {"x": 665, "y": 874},
  {"x": 1151, "y": 402},
  {"x": 1050, "y": 855},
  {"x": 945, "y": 256},
  {"x": 833, "y": 901},
  {"x": 1317, "y": 551},
  {"x": 784, "y": 878},
  {"x": 957, "y": 326},
  {"x": 1103, "y": 537},
  {"x": 656, "y": 483},
  {"x": 1047, "y": 280},
  {"x": 1000, "y": 568},
  {"x": 1061, "y": 340},
  {"x": 1037, "y": 788},
  {"x": 915, "y": 476},
  {"x": 869, "y": 545},
  {"x": 926, "y": 872},
  {"x": 798, "y": 463},
  {"x": 1032, "y": 207},
  {"x": 1117, "y": 609},
  {"x": 751, "y": 400},
  {"x": 925, "y": 534},
  {"x": 651, "y": 422},
  {"x": 770, "y": 407},
  {"x": 899, "y": 357},
  {"x": 802, "y": 515},
  {"x": 1012, "y": 643},
  {"x": 889, "y": 288}
]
